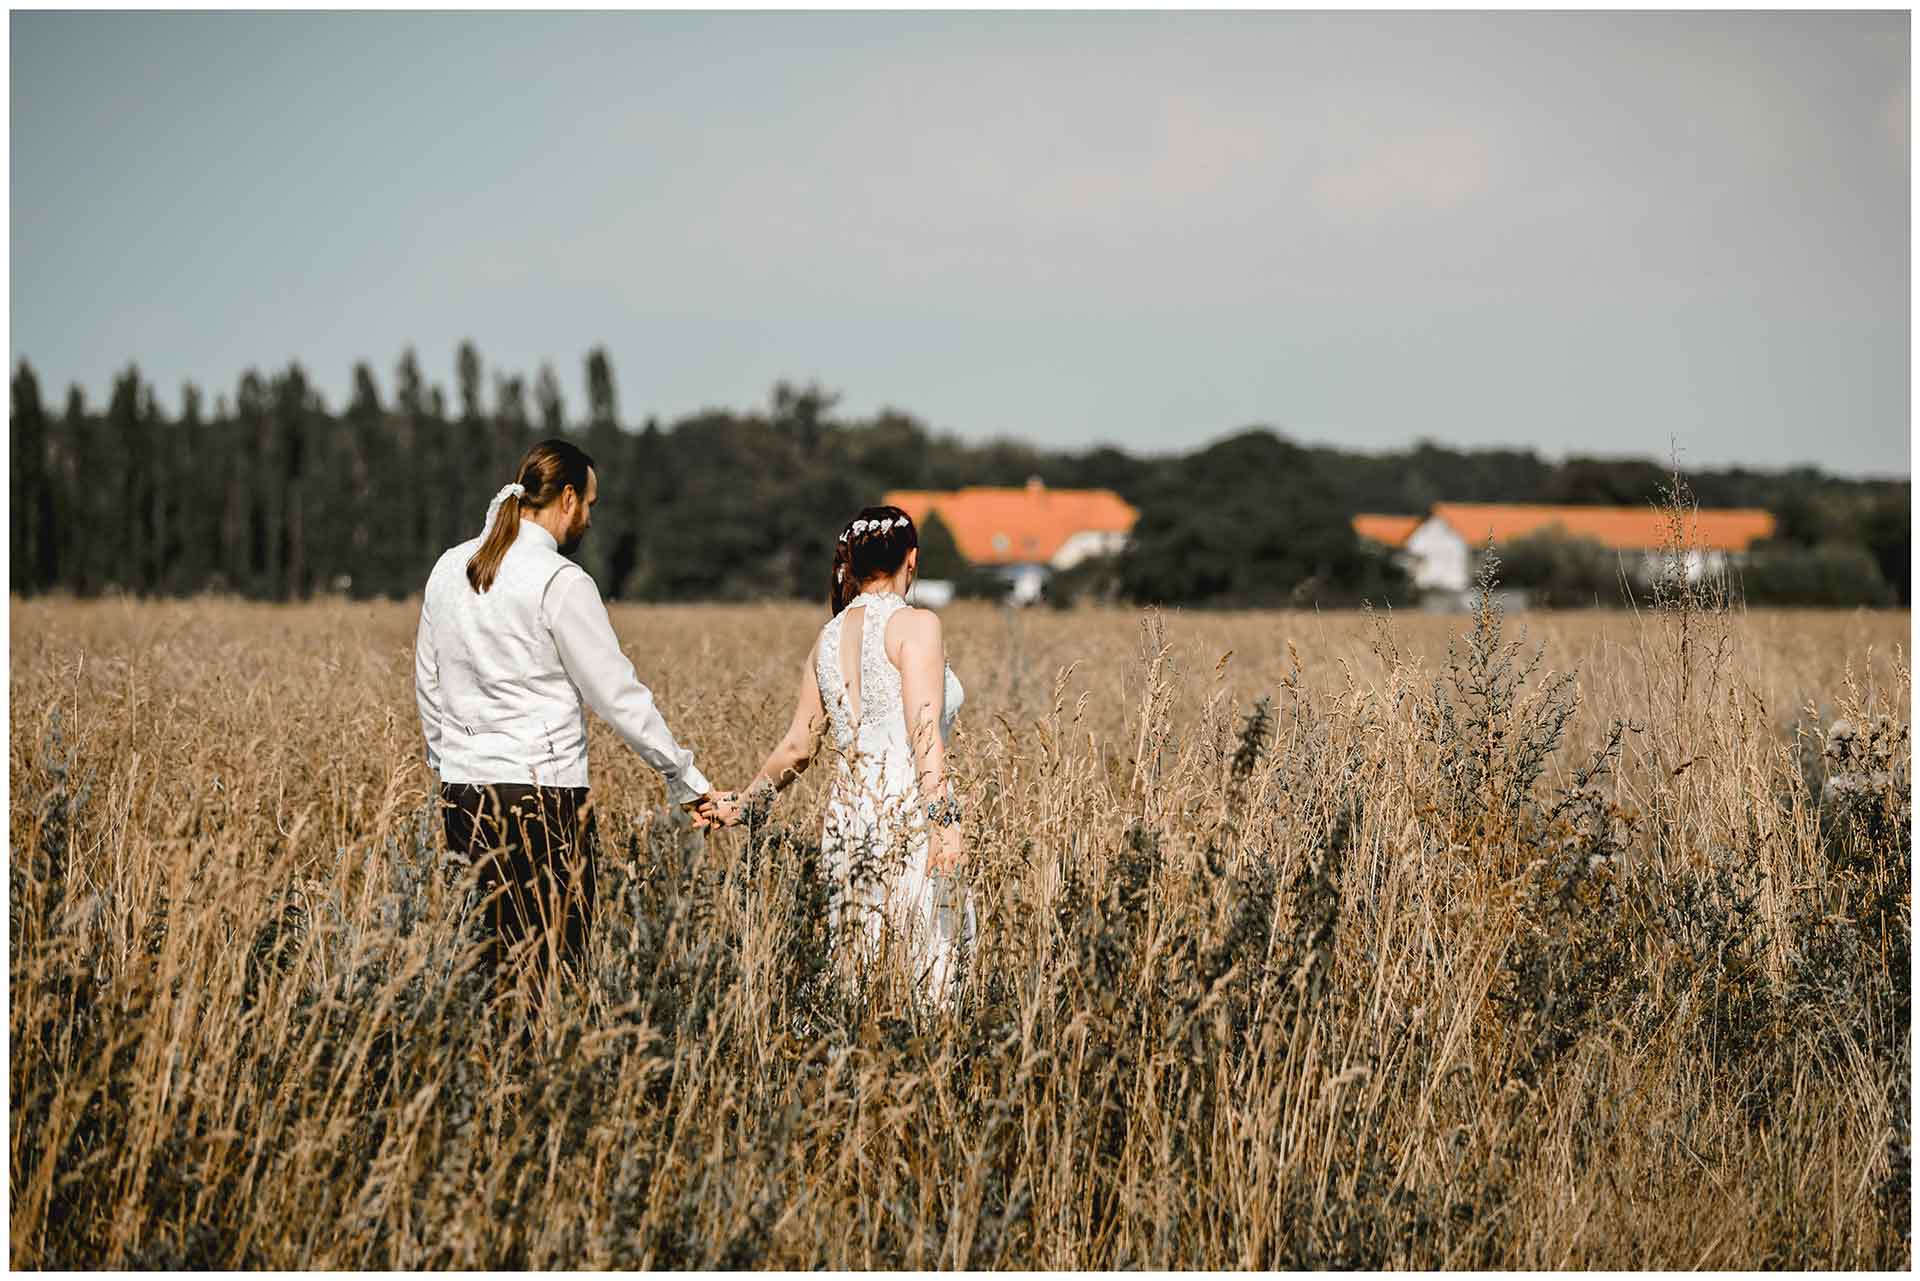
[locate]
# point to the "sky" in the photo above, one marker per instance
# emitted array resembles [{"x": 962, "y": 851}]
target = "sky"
[{"x": 1606, "y": 233}]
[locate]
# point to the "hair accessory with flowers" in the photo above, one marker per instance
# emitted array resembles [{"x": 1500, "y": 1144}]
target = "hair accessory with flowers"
[{"x": 874, "y": 526}]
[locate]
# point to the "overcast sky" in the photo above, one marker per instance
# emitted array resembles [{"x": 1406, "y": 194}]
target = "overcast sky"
[{"x": 1581, "y": 232}]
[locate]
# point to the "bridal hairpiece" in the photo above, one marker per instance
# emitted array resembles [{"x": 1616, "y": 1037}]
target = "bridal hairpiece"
[
  {"x": 876, "y": 526},
  {"x": 515, "y": 490}
]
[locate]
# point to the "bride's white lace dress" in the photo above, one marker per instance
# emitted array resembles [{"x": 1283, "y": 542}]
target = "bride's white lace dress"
[{"x": 874, "y": 833}]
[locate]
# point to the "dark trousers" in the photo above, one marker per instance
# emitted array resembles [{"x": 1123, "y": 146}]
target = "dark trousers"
[{"x": 532, "y": 850}]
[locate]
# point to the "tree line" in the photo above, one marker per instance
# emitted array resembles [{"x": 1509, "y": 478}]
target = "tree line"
[{"x": 272, "y": 494}]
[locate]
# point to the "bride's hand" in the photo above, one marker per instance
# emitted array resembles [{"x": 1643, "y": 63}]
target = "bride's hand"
[
  {"x": 715, "y": 809},
  {"x": 945, "y": 850}
]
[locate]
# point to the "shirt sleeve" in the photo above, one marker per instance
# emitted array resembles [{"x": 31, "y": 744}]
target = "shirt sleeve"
[
  {"x": 590, "y": 652},
  {"x": 426, "y": 686}
]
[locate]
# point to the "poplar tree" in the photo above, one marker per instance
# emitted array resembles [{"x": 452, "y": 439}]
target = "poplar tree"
[
  {"x": 130, "y": 553},
  {"x": 417, "y": 458},
  {"x": 29, "y": 521},
  {"x": 193, "y": 524},
  {"x": 80, "y": 488},
  {"x": 472, "y": 472},
  {"x": 552, "y": 406},
  {"x": 604, "y": 441},
  {"x": 262, "y": 496}
]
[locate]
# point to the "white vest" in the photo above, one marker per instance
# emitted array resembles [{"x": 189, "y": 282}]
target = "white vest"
[{"x": 512, "y": 715}]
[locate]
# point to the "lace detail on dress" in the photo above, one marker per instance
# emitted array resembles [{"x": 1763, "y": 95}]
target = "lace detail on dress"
[
  {"x": 879, "y": 678},
  {"x": 882, "y": 699},
  {"x": 833, "y": 690}
]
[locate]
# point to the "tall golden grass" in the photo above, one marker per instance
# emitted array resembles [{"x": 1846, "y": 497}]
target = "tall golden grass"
[{"x": 1303, "y": 943}]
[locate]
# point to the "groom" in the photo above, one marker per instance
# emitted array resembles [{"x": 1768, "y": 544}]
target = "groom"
[{"x": 514, "y": 643}]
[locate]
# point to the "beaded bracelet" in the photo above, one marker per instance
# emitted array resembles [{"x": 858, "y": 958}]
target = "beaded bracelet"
[
  {"x": 944, "y": 812},
  {"x": 757, "y": 802}
]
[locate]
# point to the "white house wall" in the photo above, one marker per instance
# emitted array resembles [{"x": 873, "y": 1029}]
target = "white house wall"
[
  {"x": 1087, "y": 544},
  {"x": 1025, "y": 582},
  {"x": 1439, "y": 558},
  {"x": 1710, "y": 563}
]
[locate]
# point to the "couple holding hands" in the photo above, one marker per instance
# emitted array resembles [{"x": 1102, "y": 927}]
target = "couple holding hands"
[{"x": 514, "y": 643}]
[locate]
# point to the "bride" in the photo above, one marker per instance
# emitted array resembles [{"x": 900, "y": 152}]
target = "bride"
[{"x": 877, "y": 676}]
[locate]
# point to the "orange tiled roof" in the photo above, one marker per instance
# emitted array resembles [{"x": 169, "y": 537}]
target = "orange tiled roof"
[
  {"x": 1730, "y": 529},
  {"x": 1391, "y": 530},
  {"x": 1017, "y": 526}
]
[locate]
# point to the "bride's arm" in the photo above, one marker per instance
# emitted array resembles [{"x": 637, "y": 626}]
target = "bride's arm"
[
  {"x": 790, "y": 758},
  {"x": 923, "y": 688}
]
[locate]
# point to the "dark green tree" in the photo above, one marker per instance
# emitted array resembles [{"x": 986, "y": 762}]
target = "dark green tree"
[
  {"x": 474, "y": 476},
  {"x": 265, "y": 490},
  {"x": 512, "y": 429},
  {"x": 1832, "y": 574},
  {"x": 295, "y": 412},
  {"x": 894, "y": 448},
  {"x": 603, "y": 408},
  {"x": 939, "y": 551},
  {"x": 192, "y": 523},
  {"x": 1805, "y": 513},
  {"x": 417, "y": 445},
  {"x": 239, "y": 506},
  {"x": 648, "y": 495},
  {"x": 1562, "y": 572},
  {"x": 1606, "y": 482},
  {"x": 607, "y": 445},
  {"x": 468, "y": 374},
  {"x": 130, "y": 559},
  {"x": 552, "y": 406},
  {"x": 31, "y": 557},
  {"x": 83, "y": 486},
  {"x": 372, "y": 532},
  {"x": 801, "y": 413},
  {"x": 1249, "y": 521},
  {"x": 1886, "y": 530}
]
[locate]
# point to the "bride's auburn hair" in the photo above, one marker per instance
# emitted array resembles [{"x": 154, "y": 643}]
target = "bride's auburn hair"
[
  {"x": 545, "y": 472},
  {"x": 874, "y": 543}
]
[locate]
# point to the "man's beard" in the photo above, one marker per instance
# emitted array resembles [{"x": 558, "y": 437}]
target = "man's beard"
[{"x": 571, "y": 543}]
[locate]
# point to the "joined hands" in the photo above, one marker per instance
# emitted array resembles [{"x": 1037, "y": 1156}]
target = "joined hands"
[
  {"x": 716, "y": 809},
  {"x": 731, "y": 809}
]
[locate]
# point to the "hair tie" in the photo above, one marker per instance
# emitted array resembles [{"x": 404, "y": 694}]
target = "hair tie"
[{"x": 515, "y": 490}]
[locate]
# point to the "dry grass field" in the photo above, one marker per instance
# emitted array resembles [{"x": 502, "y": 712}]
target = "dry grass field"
[{"x": 1303, "y": 943}]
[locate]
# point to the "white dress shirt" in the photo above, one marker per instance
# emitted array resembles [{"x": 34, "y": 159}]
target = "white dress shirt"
[{"x": 503, "y": 678}]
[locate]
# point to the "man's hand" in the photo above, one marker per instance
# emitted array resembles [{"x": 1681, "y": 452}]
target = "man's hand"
[
  {"x": 716, "y": 809},
  {"x": 701, "y": 809}
]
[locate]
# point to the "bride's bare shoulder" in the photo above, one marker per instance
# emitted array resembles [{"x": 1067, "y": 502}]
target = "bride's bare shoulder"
[{"x": 914, "y": 627}]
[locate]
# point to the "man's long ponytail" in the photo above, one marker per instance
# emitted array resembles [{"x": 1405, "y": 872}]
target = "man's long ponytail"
[
  {"x": 544, "y": 474},
  {"x": 486, "y": 562}
]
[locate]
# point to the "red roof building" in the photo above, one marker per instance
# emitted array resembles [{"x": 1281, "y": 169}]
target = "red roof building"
[
  {"x": 1388, "y": 531},
  {"x": 1032, "y": 525},
  {"x": 1726, "y": 529},
  {"x": 1443, "y": 551}
]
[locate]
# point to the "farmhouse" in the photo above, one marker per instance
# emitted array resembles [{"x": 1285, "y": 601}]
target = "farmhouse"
[
  {"x": 1441, "y": 552},
  {"x": 1388, "y": 531},
  {"x": 1025, "y": 534}
]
